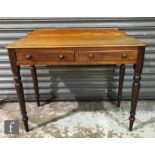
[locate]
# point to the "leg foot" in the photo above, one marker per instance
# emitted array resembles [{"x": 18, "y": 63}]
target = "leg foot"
[
  {"x": 132, "y": 119},
  {"x": 25, "y": 122}
]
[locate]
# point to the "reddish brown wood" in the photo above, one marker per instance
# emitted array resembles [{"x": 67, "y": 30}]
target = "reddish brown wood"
[
  {"x": 108, "y": 55},
  {"x": 76, "y": 37},
  {"x": 136, "y": 85},
  {"x": 77, "y": 46},
  {"x": 19, "y": 87},
  {"x": 121, "y": 80},
  {"x": 76, "y": 56},
  {"x": 36, "y": 56},
  {"x": 35, "y": 83}
]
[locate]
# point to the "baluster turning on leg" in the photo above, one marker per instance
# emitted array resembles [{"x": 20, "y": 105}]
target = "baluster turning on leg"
[
  {"x": 136, "y": 85},
  {"x": 19, "y": 87}
]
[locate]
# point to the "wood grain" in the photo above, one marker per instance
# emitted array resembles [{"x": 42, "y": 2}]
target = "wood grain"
[
  {"x": 75, "y": 37},
  {"x": 77, "y": 46},
  {"x": 73, "y": 56},
  {"x": 39, "y": 55},
  {"x": 108, "y": 55}
]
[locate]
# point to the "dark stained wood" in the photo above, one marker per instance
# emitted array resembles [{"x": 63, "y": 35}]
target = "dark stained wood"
[
  {"x": 63, "y": 63},
  {"x": 19, "y": 87},
  {"x": 35, "y": 84},
  {"x": 74, "y": 56},
  {"x": 36, "y": 56},
  {"x": 108, "y": 55},
  {"x": 136, "y": 85},
  {"x": 77, "y": 46},
  {"x": 121, "y": 80}
]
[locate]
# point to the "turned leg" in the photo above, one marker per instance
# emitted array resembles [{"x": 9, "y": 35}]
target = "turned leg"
[
  {"x": 19, "y": 88},
  {"x": 35, "y": 83},
  {"x": 136, "y": 85},
  {"x": 121, "y": 80}
]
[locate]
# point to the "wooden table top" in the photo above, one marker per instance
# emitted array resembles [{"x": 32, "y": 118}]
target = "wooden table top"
[{"x": 75, "y": 37}]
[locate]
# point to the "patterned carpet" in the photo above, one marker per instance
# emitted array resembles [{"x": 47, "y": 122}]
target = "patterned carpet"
[{"x": 81, "y": 119}]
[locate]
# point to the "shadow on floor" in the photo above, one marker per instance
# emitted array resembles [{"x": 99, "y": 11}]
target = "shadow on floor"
[
  {"x": 152, "y": 120},
  {"x": 82, "y": 106},
  {"x": 54, "y": 120},
  {"x": 90, "y": 106}
]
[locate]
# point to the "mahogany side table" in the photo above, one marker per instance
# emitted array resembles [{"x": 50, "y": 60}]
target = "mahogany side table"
[{"x": 77, "y": 46}]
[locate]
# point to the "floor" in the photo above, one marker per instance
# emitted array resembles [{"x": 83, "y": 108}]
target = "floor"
[{"x": 81, "y": 119}]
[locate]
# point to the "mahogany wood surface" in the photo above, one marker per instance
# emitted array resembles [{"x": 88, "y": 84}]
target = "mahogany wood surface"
[
  {"x": 76, "y": 46},
  {"x": 75, "y": 37},
  {"x": 75, "y": 56}
]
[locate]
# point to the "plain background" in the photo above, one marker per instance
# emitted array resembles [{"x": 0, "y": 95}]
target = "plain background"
[{"x": 79, "y": 8}]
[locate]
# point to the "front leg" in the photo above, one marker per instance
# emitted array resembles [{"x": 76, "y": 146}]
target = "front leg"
[
  {"x": 136, "y": 85},
  {"x": 19, "y": 87}
]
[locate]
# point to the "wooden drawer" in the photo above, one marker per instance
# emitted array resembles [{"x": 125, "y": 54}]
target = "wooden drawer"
[
  {"x": 107, "y": 55},
  {"x": 36, "y": 56}
]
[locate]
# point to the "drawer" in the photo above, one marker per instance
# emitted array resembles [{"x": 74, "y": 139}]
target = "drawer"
[
  {"x": 107, "y": 55},
  {"x": 37, "y": 56}
]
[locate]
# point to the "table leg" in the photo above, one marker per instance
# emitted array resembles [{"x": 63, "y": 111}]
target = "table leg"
[
  {"x": 136, "y": 85},
  {"x": 35, "y": 83},
  {"x": 19, "y": 88},
  {"x": 121, "y": 80}
]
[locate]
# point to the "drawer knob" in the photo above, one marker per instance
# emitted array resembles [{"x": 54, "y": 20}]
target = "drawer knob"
[
  {"x": 124, "y": 55},
  {"x": 61, "y": 56},
  {"x": 28, "y": 57},
  {"x": 91, "y": 56}
]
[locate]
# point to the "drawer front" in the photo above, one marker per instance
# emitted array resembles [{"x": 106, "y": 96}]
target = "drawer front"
[
  {"x": 37, "y": 56},
  {"x": 108, "y": 55}
]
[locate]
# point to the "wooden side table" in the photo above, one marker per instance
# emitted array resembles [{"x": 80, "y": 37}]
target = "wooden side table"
[{"x": 77, "y": 46}]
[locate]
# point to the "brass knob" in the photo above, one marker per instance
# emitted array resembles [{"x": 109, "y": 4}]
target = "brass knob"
[
  {"x": 28, "y": 56},
  {"x": 91, "y": 56},
  {"x": 61, "y": 56},
  {"x": 124, "y": 55}
]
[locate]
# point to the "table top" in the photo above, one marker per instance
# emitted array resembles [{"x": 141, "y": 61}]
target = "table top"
[{"x": 75, "y": 37}]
